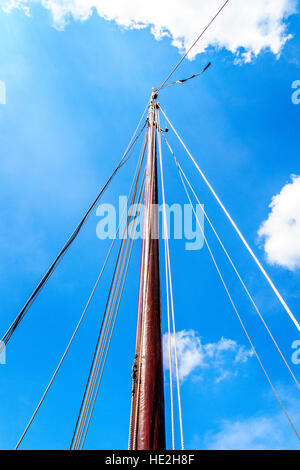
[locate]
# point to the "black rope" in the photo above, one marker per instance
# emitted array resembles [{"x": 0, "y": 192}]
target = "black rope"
[
  {"x": 192, "y": 46},
  {"x": 65, "y": 248},
  {"x": 187, "y": 79},
  {"x": 105, "y": 310}
]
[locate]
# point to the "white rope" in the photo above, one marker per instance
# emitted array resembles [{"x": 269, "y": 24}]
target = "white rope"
[
  {"x": 82, "y": 316},
  {"x": 233, "y": 265},
  {"x": 145, "y": 257},
  {"x": 275, "y": 290},
  {"x": 239, "y": 276},
  {"x": 64, "y": 355},
  {"x": 238, "y": 315},
  {"x": 166, "y": 237},
  {"x": 148, "y": 215},
  {"x": 193, "y": 45},
  {"x": 90, "y": 393},
  {"x": 127, "y": 259}
]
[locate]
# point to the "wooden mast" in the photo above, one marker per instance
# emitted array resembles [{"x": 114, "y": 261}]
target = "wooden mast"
[{"x": 147, "y": 430}]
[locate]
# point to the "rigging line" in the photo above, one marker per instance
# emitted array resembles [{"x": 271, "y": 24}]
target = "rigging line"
[
  {"x": 108, "y": 314},
  {"x": 94, "y": 357},
  {"x": 120, "y": 296},
  {"x": 141, "y": 321},
  {"x": 42, "y": 283},
  {"x": 238, "y": 315},
  {"x": 168, "y": 263},
  {"x": 101, "y": 348},
  {"x": 131, "y": 407},
  {"x": 90, "y": 383},
  {"x": 145, "y": 271},
  {"x": 239, "y": 276},
  {"x": 148, "y": 215},
  {"x": 168, "y": 300},
  {"x": 113, "y": 312},
  {"x": 233, "y": 265},
  {"x": 63, "y": 251},
  {"x": 112, "y": 330},
  {"x": 82, "y": 412},
  {"x": 80, "y": 320},
  {"x": 64, "y": 355},
  {"x": 192, "y": 46},
  {"x": 262, "y": 269},
  {"x": 103, "y": 324},
  {"x": 52, "y": 268},
  {"x": 170, "y": 348},
  {"x": 181, "y": 82},
  {"x": 107, "y": 350}
]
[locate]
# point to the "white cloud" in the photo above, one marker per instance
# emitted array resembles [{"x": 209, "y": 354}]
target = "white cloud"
[
  {"x": 281, "y": 231},
  {"x": 189, "y": 351},
  {"x": 244, "y": 28},
  {"x": 8, "y": 5},
  {"x": 253, "y": 434},
  {"x": 221, "y": 358},
  {"x": 265, "y": 432}
]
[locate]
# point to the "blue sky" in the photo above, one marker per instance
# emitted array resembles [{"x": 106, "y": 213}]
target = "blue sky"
[{"x": 74, "y": 97}]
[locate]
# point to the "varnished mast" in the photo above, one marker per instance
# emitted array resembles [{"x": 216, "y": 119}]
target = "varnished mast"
[{"x": 147, "y": 417}]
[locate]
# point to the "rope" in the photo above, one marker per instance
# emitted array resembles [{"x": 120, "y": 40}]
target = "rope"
[
  {"x": 275, "y": 290},
  {"x": 181, "y": 82},
  {"x": 115, "y": 318},
  {"x": 192, "y": 46},
  {"x": 145, "y": 257},
  {"x": 100, "y": 351},
  {"x": 72, "y": 238},
  {"x": 140, "y": 327},
  {"x": 63, "y": 357},
  {"x": 169, "y": 285},
  {"x": 241, "y": 280},
  {"x": 114, "y": 313},
  {"x": 91, "y": 378},
  {"x": 238, "y": 315},
  {"x": 166, "y": 235},
  {"x": 169, "y": 347},
  {"x": 234, "y": 267},
  {"x": 91, "y": 390},
  {"x": 96, "y": 367},
  {"x": 80, "y": 320}
]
